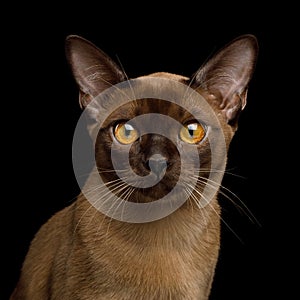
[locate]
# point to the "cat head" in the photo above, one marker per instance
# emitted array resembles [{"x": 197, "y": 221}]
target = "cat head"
[
  {"x": 225, "y": 77},
  {"x": 222, "y": 81}
]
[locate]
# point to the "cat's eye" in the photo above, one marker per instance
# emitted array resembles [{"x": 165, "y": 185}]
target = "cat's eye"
[
  {"x": 192, "y": 133},
  {"x": 125, "y": 133}
]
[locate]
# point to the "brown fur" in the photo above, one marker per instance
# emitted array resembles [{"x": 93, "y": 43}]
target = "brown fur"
[
  {"x": 173, "y": 258},
  {"x": 82, "y": 254}
]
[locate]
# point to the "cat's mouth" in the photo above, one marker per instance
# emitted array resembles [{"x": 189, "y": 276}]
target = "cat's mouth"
[
  {"x": 142, "y": 192},
  {"x": 157, "y": 192}
]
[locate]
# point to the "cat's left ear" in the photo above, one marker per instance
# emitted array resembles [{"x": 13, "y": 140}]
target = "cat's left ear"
[
  {"x": 227, "y": 74},
  {"x": 93, "y": 70}
]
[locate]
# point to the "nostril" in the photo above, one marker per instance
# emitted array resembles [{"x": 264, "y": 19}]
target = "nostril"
[{"x": 157, "y": 164}]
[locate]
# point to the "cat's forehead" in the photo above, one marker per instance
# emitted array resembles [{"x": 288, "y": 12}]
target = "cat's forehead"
[
  {"x": 139, "y": 107},
  {"x": 167, "y": 75},
  {"x": 146, "y": 106}
]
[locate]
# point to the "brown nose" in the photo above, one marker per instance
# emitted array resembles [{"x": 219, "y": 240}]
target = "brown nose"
[{"x": 157, "y": 164}]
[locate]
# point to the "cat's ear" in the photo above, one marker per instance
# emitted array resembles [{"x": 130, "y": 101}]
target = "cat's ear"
[
  {"x": 227, "y": 74},
  {"x": 93, "y": 70}
]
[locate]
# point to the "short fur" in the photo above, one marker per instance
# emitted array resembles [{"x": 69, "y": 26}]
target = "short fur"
[{"x": 82, "y": 254}]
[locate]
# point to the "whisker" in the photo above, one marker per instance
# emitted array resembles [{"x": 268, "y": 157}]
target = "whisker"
[
  {"x": 99, "y": 199},
  {"x": 227, "y": 172},
  {"x": 104, "y": 215},
  {"x": 126, "y": 198},
  {"x": 122, "y": 196},
  {"x": 101, "y": 170},
  {"x": 124, "y": 186},
  {"x": 113, "y": 185},
  {"x": 86, "y": 211},
  {"x": 89, "y": 191},
  {"x": 189, "y": 203},
  {"x": 218, "y": 214},
  {"x": 115, "y": 188},
  {"x": 109, "y": 184},
  {"x": 81, "y": 218},
  {"x": 242, "y": 207},
  {"x": 189, "y": 85},
  {"x": 113, "y": 204},
  {"x": 131, "y": 88},
  {"x": 205, "y": 218}
]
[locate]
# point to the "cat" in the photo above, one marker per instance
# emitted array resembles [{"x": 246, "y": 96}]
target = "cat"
[{"x": 82, "y": 253}]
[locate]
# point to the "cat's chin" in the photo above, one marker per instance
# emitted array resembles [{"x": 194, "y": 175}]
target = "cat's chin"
[{"x": 154, "y": 193}]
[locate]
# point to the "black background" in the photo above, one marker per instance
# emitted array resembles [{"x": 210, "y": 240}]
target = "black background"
[{"x": 40, "y": 111}]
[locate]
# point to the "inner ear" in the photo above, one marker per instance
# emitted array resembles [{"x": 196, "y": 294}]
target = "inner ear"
[
  {"x": 93, "y": 70},
  {"x": 227, "y": 74}
]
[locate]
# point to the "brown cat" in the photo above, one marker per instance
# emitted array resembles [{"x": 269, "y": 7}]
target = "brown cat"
[{"x": 86, "y": 252}]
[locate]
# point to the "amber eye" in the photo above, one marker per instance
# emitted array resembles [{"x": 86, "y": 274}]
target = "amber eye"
[
  {"x": 192, "y": 133},
  {"x": 125, "y": 133}
]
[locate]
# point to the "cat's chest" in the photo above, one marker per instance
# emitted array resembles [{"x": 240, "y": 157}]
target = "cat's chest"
[
  {"x": 171, "y": 269},
  {"x": 168, "y": 259},
  {"x": 153, "y": 273}
]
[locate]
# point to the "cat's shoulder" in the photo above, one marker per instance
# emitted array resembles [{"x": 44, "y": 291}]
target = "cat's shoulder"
[{"x": 59, "y": 224}]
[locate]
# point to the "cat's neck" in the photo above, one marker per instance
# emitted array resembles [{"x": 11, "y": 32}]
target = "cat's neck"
[
  {"x": 184, "y": 229},
  {"x": 171, "y": 254}
]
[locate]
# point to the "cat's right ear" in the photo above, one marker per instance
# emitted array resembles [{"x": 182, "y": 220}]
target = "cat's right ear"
[
  {"x": 227, "y": 74},
  {"x": 93, "y": 70}
]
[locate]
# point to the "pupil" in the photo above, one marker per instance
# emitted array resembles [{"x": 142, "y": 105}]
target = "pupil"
[
  {"x": 191, "y": 132},
  {"x": 127, "y": 130},
  {"x": 191, "y": 129}
]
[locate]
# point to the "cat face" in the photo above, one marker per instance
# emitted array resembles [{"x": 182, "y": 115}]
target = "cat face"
[
  {"x": 155, "y": 145},
  {"x": 152, "y": 153}
]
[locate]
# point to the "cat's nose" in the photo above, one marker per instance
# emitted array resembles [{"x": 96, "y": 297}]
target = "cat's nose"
[{"x": 157, "y": 164}]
